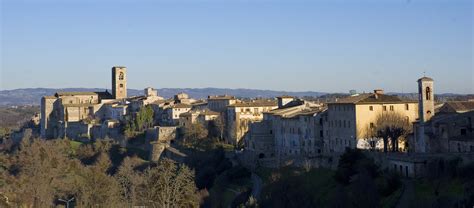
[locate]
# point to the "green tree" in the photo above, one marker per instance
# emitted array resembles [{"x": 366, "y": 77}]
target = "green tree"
[{"x": 144, "y": 118}]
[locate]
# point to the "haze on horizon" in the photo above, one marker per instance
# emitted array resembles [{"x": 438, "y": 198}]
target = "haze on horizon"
[{"x": 325, "y": 46}]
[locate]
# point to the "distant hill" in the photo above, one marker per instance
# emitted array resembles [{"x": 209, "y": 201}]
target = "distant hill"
[{"x": 32, "y": 96}]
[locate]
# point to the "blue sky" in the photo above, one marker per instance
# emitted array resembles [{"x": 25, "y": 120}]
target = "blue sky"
[{"x": 329, "y": 46}]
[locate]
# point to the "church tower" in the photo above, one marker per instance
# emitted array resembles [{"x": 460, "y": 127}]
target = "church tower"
[
  {"x": 119, "y": 82},
  {"x": 426, "y": 99}
]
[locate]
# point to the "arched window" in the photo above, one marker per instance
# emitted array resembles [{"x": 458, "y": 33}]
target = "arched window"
[
  {"x": 121, "y": 76},
  {"x": 428, "y": 93}
]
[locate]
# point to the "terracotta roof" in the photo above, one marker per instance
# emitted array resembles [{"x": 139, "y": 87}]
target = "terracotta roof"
[
  {"x": 425, "y": 79},
  {"x": 74, "y": 93},
  {"x": 255, "y": 104},
  {"x": 285, "y": 96},
  {"x": 209, "y": 113},
  {"x": 369, "y": 98},
  {"x": 104, "y": 95},
  {"x": 181, "y": 105},
  {"x": 221, "y": 97},
  {"x": 458, "y": 106},
  {"x": 79, "y": 104}
]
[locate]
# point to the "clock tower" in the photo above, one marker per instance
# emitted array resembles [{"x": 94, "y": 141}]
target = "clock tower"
[{"x": 119, "y": 82}]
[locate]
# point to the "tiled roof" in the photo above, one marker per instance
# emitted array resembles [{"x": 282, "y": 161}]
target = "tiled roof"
[
  {"x": 425, "y": 79},
  {"x": 285, "y": 96},
  {"x": 372, "y": 98},
  {"x": 221, "y": 97},
  {"x": 181, "y": 105},
  {"x": 74, "y": 93},
  {"x": 104, "y": 95},
  {"x": 458, "y": 106},
  {"x": 209, "y": 113},
  {"x": 255, "y": 104}
]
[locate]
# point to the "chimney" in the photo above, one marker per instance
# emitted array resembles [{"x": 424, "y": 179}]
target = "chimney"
[{"x": 378, "y": 92}]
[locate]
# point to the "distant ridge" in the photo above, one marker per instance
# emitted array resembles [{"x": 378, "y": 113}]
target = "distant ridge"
[{"x": 32, "y": 96}]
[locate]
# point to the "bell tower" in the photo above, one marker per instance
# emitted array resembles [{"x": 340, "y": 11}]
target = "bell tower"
[
  {"x": 119, "y": 82},
  {"x": 426, "y": 99}
]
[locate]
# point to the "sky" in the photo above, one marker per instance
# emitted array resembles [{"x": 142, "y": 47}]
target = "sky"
[{"x": 292, "y": 45}]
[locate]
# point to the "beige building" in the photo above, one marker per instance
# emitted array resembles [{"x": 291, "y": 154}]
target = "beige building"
[
  {"x": 219, "y": 103},
  {"x": 73, "y": 114},
  {"x": 289, "y": 135},
  {"x": 350, "y": 120},
  {"x": 198, "y": 116},
  {"x": 240, "y": 115}
]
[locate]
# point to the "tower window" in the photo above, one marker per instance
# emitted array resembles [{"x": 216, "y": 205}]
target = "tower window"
[
  {"x": 121, "y": 76},
  {"x": 121, "y": 85},
  {"x": 428, "y": 93},
  {"x": 391, "y": 108},
  {"x": 407, "y": 107},
  {"x": 384, "y": 108},
  {"x": 371, "y": 108},
  {"x": 428, "y": 112}
]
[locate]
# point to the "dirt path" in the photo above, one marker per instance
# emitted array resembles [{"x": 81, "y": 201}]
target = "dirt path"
[
  {"x": 257, "y": 185},
  {"x": 408, "y": 194}
]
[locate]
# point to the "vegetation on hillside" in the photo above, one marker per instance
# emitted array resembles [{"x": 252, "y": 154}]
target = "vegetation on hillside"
[{"x": 43, "y": 172}]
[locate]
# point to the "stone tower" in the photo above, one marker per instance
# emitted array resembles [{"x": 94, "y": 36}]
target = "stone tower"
[
  {"x": 119, "y": 82},
  {"x": 426, "y": 99}
]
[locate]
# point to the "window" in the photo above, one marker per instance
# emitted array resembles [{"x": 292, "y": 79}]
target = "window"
[
  {"x": 384, "y": 108},
  {"x": 372, "y": 125},
  {"x": 121, "y": 85},
  {"x": 407, "y": 107},
  {"x": 255, "y": 110},
  {"x": 428, "y": 93},
  {"x": 121, "y": 76},
  {"x": 391, "y": 108},
  {"x": 463, "y": 132},
  {"x": 371, "y": 108},
  {"x": 344, "y": 123}
]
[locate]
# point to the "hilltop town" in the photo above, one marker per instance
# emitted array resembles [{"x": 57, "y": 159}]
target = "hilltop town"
[{"x": 402, "y": 136}]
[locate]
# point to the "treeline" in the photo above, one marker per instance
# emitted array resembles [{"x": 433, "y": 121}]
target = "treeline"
[{"x": 45, "y": 173}]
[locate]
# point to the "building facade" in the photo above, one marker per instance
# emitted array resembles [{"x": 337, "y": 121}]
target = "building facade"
[{"x": 351, "y": 120}]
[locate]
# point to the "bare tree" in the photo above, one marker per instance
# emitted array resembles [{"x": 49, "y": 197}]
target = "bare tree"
[
  {"x": 195, "y": 132},
  {"x": 391, "y": 126},
  {"x": 168, "y": 185},
  {"x": 220, "y": 126}
]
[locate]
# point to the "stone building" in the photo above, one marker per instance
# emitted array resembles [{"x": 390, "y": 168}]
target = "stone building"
[
  {"x": 171, "y": 113},
  {"x": 150, "y": 96},
  {"x": 197, "y": 116},
  {"x": 289, "y": 135},
  {"x": 350, "y": 120},
  {"x": 447, "y": 129},
  {"x": 240, "y": 115},
  {"x": 219, "y": 103},
  {"x": 73, "y": 114}
]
